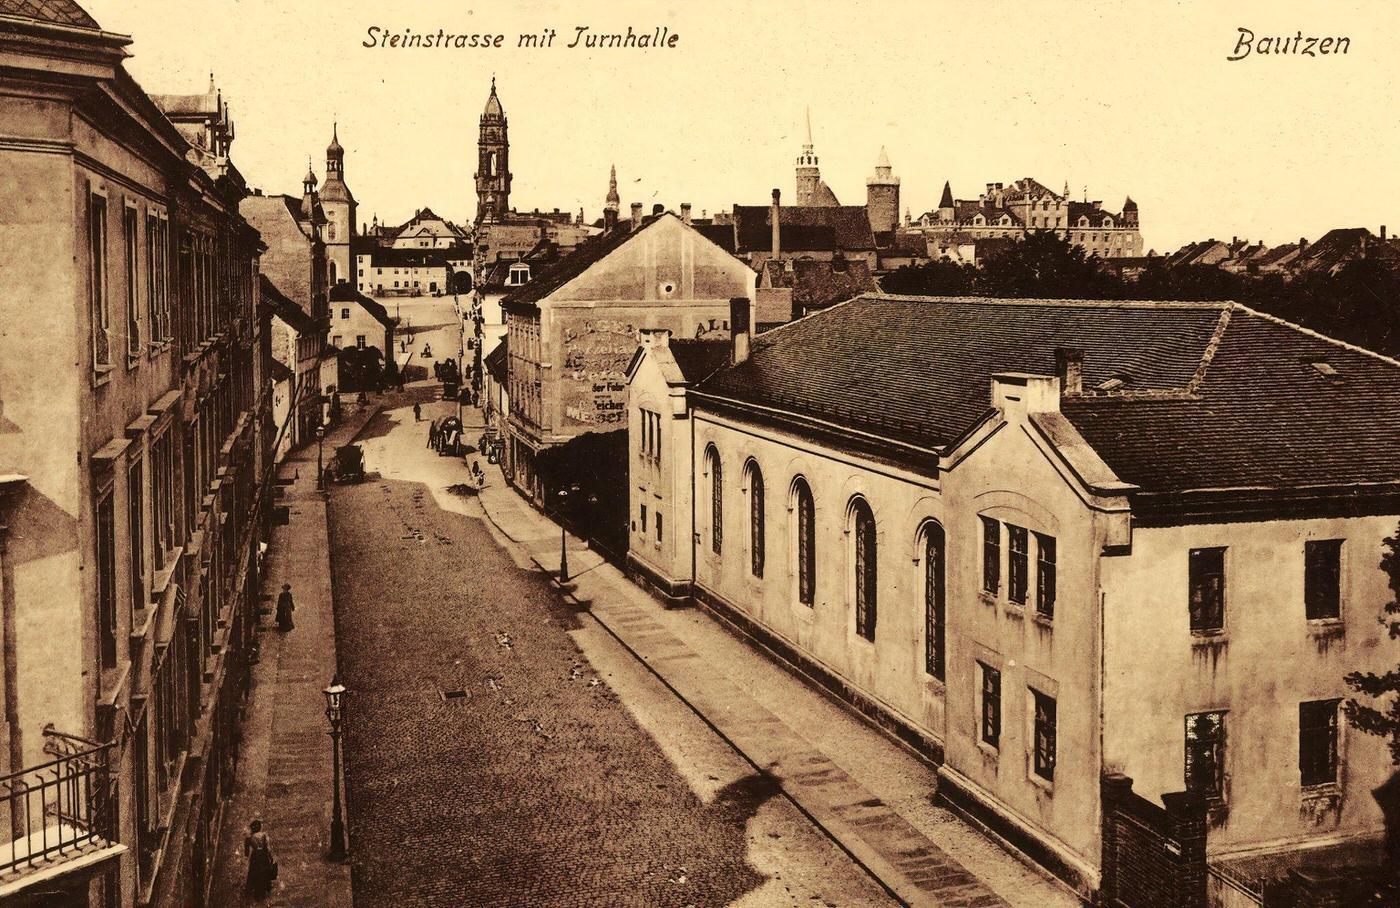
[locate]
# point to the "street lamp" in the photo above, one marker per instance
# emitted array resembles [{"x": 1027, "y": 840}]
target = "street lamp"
[
  {"x": 563, "y": 539},
  {"x": 320, "y": 446},
  {"x": 335, "y": 706}
]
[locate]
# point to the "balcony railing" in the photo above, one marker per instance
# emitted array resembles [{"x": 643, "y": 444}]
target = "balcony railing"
[{"x": 59, "y": 809}]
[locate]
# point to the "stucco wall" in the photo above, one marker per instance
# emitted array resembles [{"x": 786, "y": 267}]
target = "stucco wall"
[{"x": 1269, "y": 660}]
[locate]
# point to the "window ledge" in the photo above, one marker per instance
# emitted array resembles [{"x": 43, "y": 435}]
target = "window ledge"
[
  {"x": 987, "y": 598},
  {"x": 1013, "y": 609},
  {"x": 934, "y": 686},
  {"x": 1039, "y": 781},
  {"x": 1322, "y": 790},
  {"x": 1209, "y": 638},
  {"x": 101, "y": 375},
  {"x": 1326, "y": 627},
  {"x": 988, "y": 751}
]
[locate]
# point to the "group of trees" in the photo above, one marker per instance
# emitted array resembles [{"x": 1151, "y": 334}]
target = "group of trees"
[{"x": 1360, "y": 304}]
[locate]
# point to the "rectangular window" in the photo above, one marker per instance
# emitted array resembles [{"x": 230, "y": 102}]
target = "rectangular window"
[
  {"x": 1017, "y": 563},
  {"x": 644, "y": 518},
  {"x": 106, "y": 579},
  {"x": 991, "y": 555},
  {"x": 991, "y": 705},
  {"x": 97, "y": 280},
  {"x": 360, "y": 341},
  {"x": 658, "y": 527},
  {"x": 1044, "y": 763},
  {"x": 133, "y": 300},
  {"x": 136, "y": 524},
  {"x": 1205, "y": 755},
  {"x": 1207, "y": 581},
  {"x": 1317, "y": 742},
  {"x": 1045, "y": 575},
  {"x": 1322, "y": 578}
]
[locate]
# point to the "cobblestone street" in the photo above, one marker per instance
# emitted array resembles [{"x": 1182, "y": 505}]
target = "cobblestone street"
[{"x": 502, "y": 751}]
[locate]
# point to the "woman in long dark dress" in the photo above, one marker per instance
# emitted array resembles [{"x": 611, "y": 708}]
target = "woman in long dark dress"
[
  {"x": 261, "y": 866},
  {"x": 285, "y": 607}
]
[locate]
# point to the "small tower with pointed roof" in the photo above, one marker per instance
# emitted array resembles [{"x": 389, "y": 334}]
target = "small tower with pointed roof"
[
  {"x": 610, "y": 206},
  {"x": 809, "y": 175},
  {"x": 882, "y": 196},
  {"x": 338, "y": 203},
  {"x": 308, "y": 192},
  {"x": 1130, "y": 212},
  {"x": 493, "y": 162},
  {"x": 946, "y": 210}
]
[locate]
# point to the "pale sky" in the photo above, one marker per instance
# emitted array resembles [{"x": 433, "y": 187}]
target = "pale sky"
[{"x": 1126, "y": 98}]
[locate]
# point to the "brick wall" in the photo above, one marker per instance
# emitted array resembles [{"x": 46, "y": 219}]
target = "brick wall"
[{"x": 1153, "y": 857}]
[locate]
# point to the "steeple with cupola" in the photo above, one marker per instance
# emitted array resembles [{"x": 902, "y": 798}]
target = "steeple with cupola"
[
  {"x": 338, "y": 203},
  {"x": 493, "y": 162}
]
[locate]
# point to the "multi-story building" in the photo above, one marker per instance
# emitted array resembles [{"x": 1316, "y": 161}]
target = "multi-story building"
[
  {"x": 295, "y": 344},
  {"x": 1024, "y": 206},
  {"x": 133, "y": 410},
  {"x": 1053, "y": 550},
  {"x": 296, "y": 263},
  {"x": 572, "y": 330}
]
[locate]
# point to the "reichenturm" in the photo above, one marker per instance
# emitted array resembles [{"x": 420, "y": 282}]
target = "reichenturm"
[{"x": 1296, "y": 45}]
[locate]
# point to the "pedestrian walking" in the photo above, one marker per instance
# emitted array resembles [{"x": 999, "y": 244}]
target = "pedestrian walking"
[
  {"x": 285, "y": 607},
  {"x": 262, "y": 866},
  {"x": 417, "y": 412}
]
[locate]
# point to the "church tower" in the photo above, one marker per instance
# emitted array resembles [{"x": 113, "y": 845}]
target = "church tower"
[
  {"x": 882, "y": 196},
  {"x": 339, "y": 206},
  {"x": 611, "y": 204},
  {"x": 493, "y": 162},
  {"x": 809, "y": 177}
]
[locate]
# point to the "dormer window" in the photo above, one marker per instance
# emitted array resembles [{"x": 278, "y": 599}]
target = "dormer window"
[
  {"x": 519, "y": 274},
  {"x": 1325, "y": 368}
]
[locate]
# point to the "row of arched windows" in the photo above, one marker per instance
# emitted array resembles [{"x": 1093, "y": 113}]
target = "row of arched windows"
[{"x": 864, "y": 561}]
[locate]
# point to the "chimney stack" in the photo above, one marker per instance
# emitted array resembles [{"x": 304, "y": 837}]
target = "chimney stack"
[
  {"x": 1302, "y": 244},
  {"x": 1069, "y": 366},
  {"x": 1382, "y": 233},
  {"x": 636, "y": 215},
  {"x": 775, "y": 219},
  {"x": 739, "y": 328},
  {"x": 685, "y": 214}
]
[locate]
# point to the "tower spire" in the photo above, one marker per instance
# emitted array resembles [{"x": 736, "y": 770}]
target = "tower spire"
[{"x": 809, "y": 128}]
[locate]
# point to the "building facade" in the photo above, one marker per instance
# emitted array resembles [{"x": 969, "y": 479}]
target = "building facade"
[
  {"x": 571, "y": 331},
  {"x": 990, "y": 551},
  {"x": 130, "y": 513},
  {"x": 1010, "y": 211}
]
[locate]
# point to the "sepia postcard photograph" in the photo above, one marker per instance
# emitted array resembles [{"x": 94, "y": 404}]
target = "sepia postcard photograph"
[{"x": 826, "y": 454}]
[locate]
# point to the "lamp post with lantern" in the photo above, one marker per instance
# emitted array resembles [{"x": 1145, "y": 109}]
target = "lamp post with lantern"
[
  {"x": 335, "y": 714},
  {"x": 320, "y": 446}
]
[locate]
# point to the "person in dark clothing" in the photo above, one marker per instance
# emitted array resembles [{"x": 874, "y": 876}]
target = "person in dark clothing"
[
  {"x": 417, "y": 412},
  {"x": 285, "y": 607},
  {"x": 262, "y": 867}
]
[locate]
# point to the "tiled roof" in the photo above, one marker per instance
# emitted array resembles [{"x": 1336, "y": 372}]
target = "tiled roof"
[
  {"x": 699, "y": 359},
  {"x": 289, "y": 312},
  {"x": 964, "y": 211},
  {"x": 56, "y": 12},
  {"x": 495, "y": 361},
  {"x": 570, "y": 266},
  {"x": 816, "y": 284},
  {"x": 1250, "y": 412},
  {"x": 722, "y": 235},
  {"x": 343, "y": 292},
  {"x": 804, "y": 228},
  {"x": 1096, "y": 216},
  {"x": 207, "y": 104},
  {"x": 389, "y": 257},
  {"x": 1338, "y": 246}
]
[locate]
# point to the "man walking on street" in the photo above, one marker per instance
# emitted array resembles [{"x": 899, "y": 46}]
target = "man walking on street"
[{"x": 417, "y": 412}]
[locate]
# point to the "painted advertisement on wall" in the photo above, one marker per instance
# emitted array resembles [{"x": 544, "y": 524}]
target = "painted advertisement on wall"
[{"x": 597, "y": 349}]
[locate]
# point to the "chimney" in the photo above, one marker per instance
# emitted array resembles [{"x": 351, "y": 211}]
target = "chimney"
[
  {"x": 656, "y": 338},
  {"x": 657, "y": 209},
  {"x": 1302, "y": 244},
  {"x": 1069, "y": 366},
  {"x": 636, "y": 215},
  {"x": 775, "y": 218},
  {"x": 609, "y": 219},
  {"x": 1382, "y": 233},
  {"x": 685, "y": 214},
  {"x": 739, "y": 328}
]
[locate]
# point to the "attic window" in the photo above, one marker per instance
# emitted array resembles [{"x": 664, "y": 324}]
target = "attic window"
[{"x": 1324, "y": 368}]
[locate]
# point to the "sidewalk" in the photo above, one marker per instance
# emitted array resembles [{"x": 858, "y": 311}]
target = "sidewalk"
[
  {"x": 284, "y": 772},
  {"x": 868, "y": 793}
]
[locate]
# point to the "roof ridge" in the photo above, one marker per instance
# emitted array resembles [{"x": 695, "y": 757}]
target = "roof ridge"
[
  {"x": 1061, "y": 301},
  {"x": 816, "y": 312},
  {"x": 1316, "y": 334},
  {"x": 1216, "y": 337}
]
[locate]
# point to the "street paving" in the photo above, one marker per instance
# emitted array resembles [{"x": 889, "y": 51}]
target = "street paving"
[{"x": 490, "y": 761}]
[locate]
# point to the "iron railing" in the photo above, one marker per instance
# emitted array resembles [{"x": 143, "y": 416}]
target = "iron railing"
[{"x": 57, "y": 809}]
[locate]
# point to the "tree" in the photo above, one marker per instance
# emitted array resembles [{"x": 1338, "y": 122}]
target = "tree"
[
  {"x": 933, "y": 278},
  {"x": 1382, "y": 720},
  {"x": 1044, "y": 265}
]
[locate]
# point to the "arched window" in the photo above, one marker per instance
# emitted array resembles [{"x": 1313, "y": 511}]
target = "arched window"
[
  {"x": 716, "y": 499},
  {"x": 935, "y": 605},
  {"x": 333, "y": 274},
  {"x": 756, "y": 528},
  {"x": 806, "y": 541},
  {"x": 863, "y": 525}
]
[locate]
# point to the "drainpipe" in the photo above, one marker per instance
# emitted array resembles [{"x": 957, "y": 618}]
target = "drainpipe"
[
  {"x": 13, "y": 742},
  {"x": 691, "y": 535}
]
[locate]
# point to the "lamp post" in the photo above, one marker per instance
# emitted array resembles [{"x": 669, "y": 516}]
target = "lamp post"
[
  {"x": 563, "y": 539},
  {"x": 335, "y": 706},
  {"x": 320, "y": 446}
]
